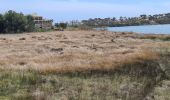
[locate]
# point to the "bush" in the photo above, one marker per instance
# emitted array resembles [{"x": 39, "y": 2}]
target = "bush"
[
  {"x": 61, "y": 25},
  {"x": 42, "y": 30}
]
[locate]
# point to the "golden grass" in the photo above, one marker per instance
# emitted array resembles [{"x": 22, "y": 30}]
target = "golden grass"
[
  {"x": 120, "y": 65},
  {"x": 83, "y": 51},
  {"x": 92, "y": 62}
]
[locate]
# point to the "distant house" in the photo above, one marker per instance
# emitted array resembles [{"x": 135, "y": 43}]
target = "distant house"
[{"x": 40, "y": 22}]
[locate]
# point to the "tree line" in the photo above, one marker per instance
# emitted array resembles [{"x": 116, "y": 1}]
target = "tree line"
[
  {"x": 13, "y": 22},
  {"x": 129, "y": 21}
]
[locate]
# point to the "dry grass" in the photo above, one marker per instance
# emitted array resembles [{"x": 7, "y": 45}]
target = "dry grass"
[
  {"x": 158, "y": 37},
  {"x": 89, "y": 62},
  {"x": 72, "y": 51},
  {"x": 23, "y": 56}
]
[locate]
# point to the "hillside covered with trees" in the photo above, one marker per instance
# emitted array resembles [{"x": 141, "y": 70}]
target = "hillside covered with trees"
[
  {"x": 129, "y": 21},
  {"x": 13, "y": 22}
]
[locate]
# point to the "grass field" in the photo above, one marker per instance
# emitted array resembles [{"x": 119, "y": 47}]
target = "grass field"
[{"x": 84, "y": 65}]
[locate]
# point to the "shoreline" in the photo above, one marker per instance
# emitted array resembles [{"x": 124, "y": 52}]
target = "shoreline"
[{"x": 143, "y": 29}]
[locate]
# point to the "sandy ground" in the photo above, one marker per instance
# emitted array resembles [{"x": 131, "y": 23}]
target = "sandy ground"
[{"x": 68, "y": 49}]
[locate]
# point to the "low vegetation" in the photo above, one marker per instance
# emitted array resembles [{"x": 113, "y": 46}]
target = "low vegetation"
[
  {"x": 61, "y": 25},
  {"x": 83, "y": 65},
  {"x": 156, "y": 37}
]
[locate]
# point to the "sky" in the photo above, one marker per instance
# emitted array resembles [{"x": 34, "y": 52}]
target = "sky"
[{"x": 66, "y": 10}]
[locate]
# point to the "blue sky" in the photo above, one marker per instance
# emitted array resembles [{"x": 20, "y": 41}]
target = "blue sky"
[{"x": 65, "y": 10}]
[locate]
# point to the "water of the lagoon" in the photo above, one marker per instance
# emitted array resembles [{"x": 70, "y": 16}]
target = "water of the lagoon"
[{"x": 146, "y": 29}]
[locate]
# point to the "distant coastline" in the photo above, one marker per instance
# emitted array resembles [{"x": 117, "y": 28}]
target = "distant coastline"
[{"x": 129, "y": 21}]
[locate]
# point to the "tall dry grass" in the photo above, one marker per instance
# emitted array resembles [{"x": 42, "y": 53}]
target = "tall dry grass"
[
  {"x": 77, "y": 62},
  {"x": 91, "y": 62},
  {"x": 81, "y": 51}
]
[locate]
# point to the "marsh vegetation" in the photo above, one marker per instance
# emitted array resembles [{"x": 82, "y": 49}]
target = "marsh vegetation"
[{"x": 84, "y": 65}]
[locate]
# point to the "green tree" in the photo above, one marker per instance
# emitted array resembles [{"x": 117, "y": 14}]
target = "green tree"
[
  {"x": 14, "y": 22},
  {"x": 30, "y": 26},
  {"x": 1, "y": 23},
  {"x": 56, "y": 24},
  {"x": 63, "y": 25}
]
